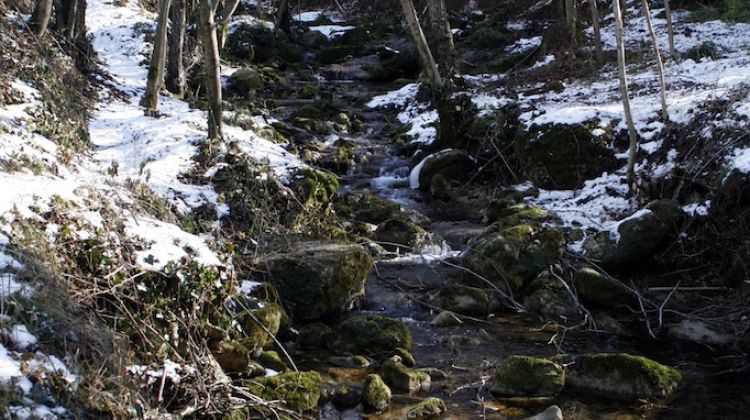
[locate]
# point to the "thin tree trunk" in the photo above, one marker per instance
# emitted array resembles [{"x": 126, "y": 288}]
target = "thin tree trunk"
[
  {"x": 158, "y": 59},
  {"x": 175, "y": 78},
  {"x": 659, "y": 63},
  {"x": 598, "y": 50},
  {"x": 40, "y": 17},
  {"x": 441, "y": 38},
  {"x": 224, "y": 17},
  {"x": 632, "y": 135},
  {"x": 425, "y": 55},
  {"x": 212, "y": 68},
  {"x": 670, "y": 29},
  {"x": 283, "y": 17},
  {"x": 571, "y": 20}
]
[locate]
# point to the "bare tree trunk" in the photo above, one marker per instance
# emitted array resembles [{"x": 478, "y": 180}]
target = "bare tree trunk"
[
  {"x": 659, "y": 63},
  {"x": 212, "y": 66},
  {"x": 571, "y": 20},
  {"x": 670, "y": 29},
  {"x": 441, "y": 38},
  {"x": 155, "y": 80},
  {"x": 40, "y": 17},
  {"x": 598, "y": 50},
  {"x": 632, "y": 135},
  {"x": 224, "y": 17},
  {"x": 425, "y": 55},
  {"x": 175, "y": 78},
  {"x": 283, "y": 17}
]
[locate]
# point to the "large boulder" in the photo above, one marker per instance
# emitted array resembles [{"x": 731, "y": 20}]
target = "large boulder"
[
  {"x": 374, "y": 335},
  {"x": 375, "y": 394},
  {"x": 636, "y": 238},
  {"x": 317, "y": 279},
  {"x": 365, "y": 207},
  {"x": 299, "y": 391},
  {"x": 399, "y": 233},
  {"x": 524, "y": 376},
  {"x": 558, "y": 156},
  {"x": 451, "y": 164},
  {"x": 514, "y": 256},
  {"x": 621, "y": 376},
  {"x": 596, "y": 289},
  {"x": 245, "y": 80},
  {"x": 464, "y": 300},
  {"x": 548, "y": 296}
]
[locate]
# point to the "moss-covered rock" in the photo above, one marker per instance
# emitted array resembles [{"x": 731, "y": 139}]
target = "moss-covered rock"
[
  {"x": 453, "y": 165},
  {"x": 549, "y": 297},
  {"x": 464, "y": 300},
  {"x": 596, "y": 289},
  {"x": 366, "y": 207},
  {"x": 258, "y": 323},
  {"x": 316, "y": 188},
  {"x": 232, "y": 356},
  {"x": 299, "y": 391},
  {"x": 373, "y": 335},
  {"x": 406, "y": 357},
  {"x": 621, "y": 376},
  {"x": 313, "y": 335},
  {"x": 556, "y": 156},
  {"x": 376, "y": 395},
  {"x": 637, "y": 237},
  {"x": 514, "y": 256},
  {"x": 430, "y": 408},
  {"x": 259, "y": 44},
  {"x": 524, "y": 376},
  {"x": 399, "y": 233},
  {"x": 272, "y": 360},
  {"x": 245, "y": 80},
  {"x": 345, "y": 397},
  {"x": 517, "y": 214},
  {"x": 316, "y": 279},
  {"x": 354, "y": 362},
  {"x": 406, "y": 379}
]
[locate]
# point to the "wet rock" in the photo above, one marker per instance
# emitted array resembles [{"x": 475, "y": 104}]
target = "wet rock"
[
  {"x": 406, "y": 358},
  {"x": 357, "y": 362},
  {"x": 637, "y": 238},
  {"x": 524, "y": 376},
  {"x": 397, "y": 375},
  {"x": 313, "y": 335},
  {"x": 552, "y": 413},
  {"x": 446, "y": 319},
  {"x": 621, "y": 376},
  {"x": 366, "y": 207},
  {"x": 272, "y": 360},
  {"x": 232, "y": 356},
  {"x": 398, "y": 233},
  {"x": 441, "y": 188},
  {"x": 258, "y": 324},
  {"x": 605, "y": 322},
  {"x": 557, "y": 156},
  {"x": 453, "y": 165},
  {"x": 517, "y": 214},
  {"x": 254, "y": 370},
  {"x": 464, "y": 300},
  {"x": 514, "y": 256},
  {"x": 549, "y": 297},
  {"x": 314, "y": 39},
  {"x": 376, "y": 395},
  {"x": 430, "y": 408},
  {"x": 299, "y": 391},
  {"x": 594, "y": 288},
  {"x": 698, "y": 332},
  {"x": 373, "y": 335},
  {"x": 346, "y": 397},
  {"x": 317, "y": 279},
  {"x": 435, "y": 373}
]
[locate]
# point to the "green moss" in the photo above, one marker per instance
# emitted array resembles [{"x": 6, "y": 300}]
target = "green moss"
[
  {"x": 406, "y": 379},
  {"x": 256, "y": 324},
  {"x": 317, "y": 188},
  {"x": 376, "y": 395},
  {"x": 464, "y": 300},
  {"x": 406, "y": 357},
  {"x": 271, "y": 360},
  {"x": 526, "y": 376},
  {"x": 299, "y": 391},
  {"x": 430, "y": 408},
  {"x": 597, "y": 289},
  {"x": 399, "y": 233},
  {"x": 308, "y": 92},
  {"x": 373, "y": 335},
  {"x": 232, "y": 356},
  {"x": 521, "y": 213},
  {"x": 366, "y": 207},
  {"x": 313, "y": 335}
]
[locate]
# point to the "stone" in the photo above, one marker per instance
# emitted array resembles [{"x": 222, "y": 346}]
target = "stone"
[
  {"x": 356, "y": 362},
  {"x": 406, "y": 357},
  {"x": 245, "y": 80},
  {"x": 549, "y": 297},
  {"x": 621, "y": 376},
  {"x": 698, "y": 332},
  {"x": 596, "y": 289},
  {"x": 232, "y": 356},
  {"x": 464, "y": 300},
  {"x": 525, "y": 376},
  {"x": 398, "y": 376},
  {"x": 376, "y": 395},
  {"x": 445, "y": 319},
  {"x": 272, "y": 360},
  {"x": 562, "y": 156},
  {"x": 259, "y": 325},
  {"x": 318, "y": 279},
  {"x": 395, "y": 234},
  {"x": 551, "y": 413},
  {"x": 300, "y": 391},
  {"x": 453, "y": 165},
  {"x": 430, "y": 408},
  {"x": 313, "y": 335},
  {"x": 345, "y": 397},
  {"x": 515, "y": 256},
  {"x": 366, "y": 207},
  {"x": 374, "y": 335}
]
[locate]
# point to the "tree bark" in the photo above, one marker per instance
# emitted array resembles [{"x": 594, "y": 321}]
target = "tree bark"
[
  {"x": 425, "y": 55},
  {"x": 632, "y": 135},
  {"x": 212, "y": 68},
  {"x": 441, "y": 38},
  {"x": 659, "y": 63},
  {"x": 40, "y": 17},
  {"x": 158, "y": 59},
  {"x": 224, "y": 17},
  {"x": 571, "y": 20},
  {"x": 598, "y": 50},
  {"x": 175, "y": 78},
  {"x": 670, "y": 29},
  {"x": 283, "y": 17}
]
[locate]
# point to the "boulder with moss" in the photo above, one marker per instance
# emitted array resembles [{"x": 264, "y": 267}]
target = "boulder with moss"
[
  {"x": 525, "y": 376},
  {"x": 374, "y": 335},
  {"x": 272, "y": 360},
  {"x": 464, "y": 300},
  {"x": 403, "y": 378},
  {"x": 260, "y": 325},
  {"x": 514, "y": 256},
  {"x": 636, "y": 238},
  {"x": 548, "y": 296},
  {"x": 313, "y": 335},
  {"x": 596, "y": 289},
  {"x": 366, "y": 207},
  {"x": 397, "y": 234},
  {"x": 430, "y": 408},
  {"x": 376, "y": 395},
  {"x": 452, "y": 165},
  {"x": 561, "y": 156},
  {"x": 245, "y": 80},
  {"x": 300, "y": 391},
  {"x": 318, "y": 279},
  {"x": 315, "y": 188},
  {"x": 232, "y": 356},
  {"x": 621, "y": 376}
]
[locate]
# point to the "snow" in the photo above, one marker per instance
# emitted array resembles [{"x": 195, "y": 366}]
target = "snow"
[
  {"x": 740, "y": 160},
  {"x": 414, "y": 175},
  {"x": 175, "y": 372},
  {"x": 524, "y": 44},
  {"x": 168, "y": 243},
  {"x": 331, "y": 31}
]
